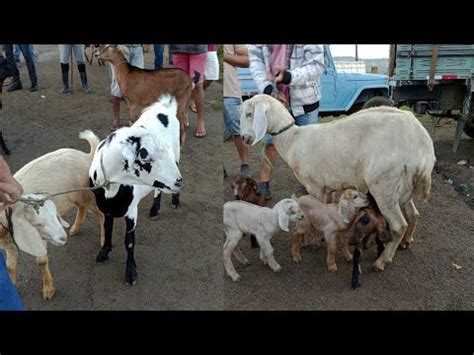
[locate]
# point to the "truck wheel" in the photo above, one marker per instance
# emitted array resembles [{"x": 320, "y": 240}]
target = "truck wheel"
[{"x": 378, "y": 101}]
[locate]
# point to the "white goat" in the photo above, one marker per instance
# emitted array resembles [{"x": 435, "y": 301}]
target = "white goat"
[
  {"x": 382, "y": 149},
  {"x": 329, "y": 219},
  {"x": 31, "y": 231},
  {"x": 63, "y": 170},
  {"x": 241, "y": 218},
  {"x": 138, "y": 160}
]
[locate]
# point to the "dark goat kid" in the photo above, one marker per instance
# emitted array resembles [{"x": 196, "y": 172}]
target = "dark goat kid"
[
  {"x": 369, "y": 226},
  {"x": 6, "y": 71},
  {"x": 245, "y": 189}
]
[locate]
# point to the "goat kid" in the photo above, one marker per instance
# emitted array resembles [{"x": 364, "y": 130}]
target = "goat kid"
[
  {"x": 369, "y": 226},
  {"x": 242, "y": 217},
  {"x": 32, "y": 229},
  {"x": 141, "y": 87},
  {"x": 246, "y": 189},
  {"x": 329, "y": 219},
  {"x": 138, "y": 160}
]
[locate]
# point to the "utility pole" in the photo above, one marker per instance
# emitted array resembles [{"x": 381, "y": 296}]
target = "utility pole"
[{"x": 357, "y": 53}]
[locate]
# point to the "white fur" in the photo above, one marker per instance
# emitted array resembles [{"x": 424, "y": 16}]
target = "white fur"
[
  {"x": 241, "y": 218},
  {"x": 382, "y": 149}
]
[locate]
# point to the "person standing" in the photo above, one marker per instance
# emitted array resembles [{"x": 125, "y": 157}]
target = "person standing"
[
  {"x": 16, "y": 82},
  {"x": 292, "y": 73},
  {"x": 65, "y": 52},
  {"x": 235, "y": 55}
]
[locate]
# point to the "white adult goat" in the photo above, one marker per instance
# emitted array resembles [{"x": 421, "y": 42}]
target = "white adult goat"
[{"x": 382, "y": 149}]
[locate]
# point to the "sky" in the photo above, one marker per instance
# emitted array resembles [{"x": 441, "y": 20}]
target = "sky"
[{"x": 366, "y": 51}]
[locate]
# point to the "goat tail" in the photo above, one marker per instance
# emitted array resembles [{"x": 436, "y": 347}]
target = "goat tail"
[
  {"x": 422, "y": 187},
  {"x": 90, "y": 137}
]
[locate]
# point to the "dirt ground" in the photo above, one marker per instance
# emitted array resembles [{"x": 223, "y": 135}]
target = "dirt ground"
[
  {"x": 178, "y": 255},
  {"x": 420, "y": 278}
]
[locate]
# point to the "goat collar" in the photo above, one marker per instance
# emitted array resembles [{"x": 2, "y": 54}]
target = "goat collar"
[
  {"x": 123, "y": 61},
  {"x": 283, "y": 129}
]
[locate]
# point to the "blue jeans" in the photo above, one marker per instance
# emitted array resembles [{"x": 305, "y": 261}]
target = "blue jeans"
[
  {"x": 159, "y": 49},
  {"x": 302, "y": 120},
  {"x": 30, "y": 65},
  {"x": 17, "y": 51},
  {"x": 232, "y": 115},
  {"x": 9, "y": 298}
]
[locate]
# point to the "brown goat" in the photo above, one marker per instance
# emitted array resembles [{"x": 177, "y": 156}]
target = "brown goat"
[
  {"x": 141, "y": 87},
  {"x": 245, "y": 189},
  {"x": 369, "y": 226}
]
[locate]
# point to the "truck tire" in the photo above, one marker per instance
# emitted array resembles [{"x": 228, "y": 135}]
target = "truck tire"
[{"x": 378, "y": 101}]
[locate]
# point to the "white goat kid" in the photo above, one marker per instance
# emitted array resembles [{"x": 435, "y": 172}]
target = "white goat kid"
[
  {"x": 32, "y": 229},
  {"x": 382, "y": 149},
  {"x": 241, "y": 218},
  {"x": 137, "y": 160}
]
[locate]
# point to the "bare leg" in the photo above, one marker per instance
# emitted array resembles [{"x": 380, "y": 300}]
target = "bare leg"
[
  {"x": 198, "y": 97},
  {"x": 48, "y": 287}
]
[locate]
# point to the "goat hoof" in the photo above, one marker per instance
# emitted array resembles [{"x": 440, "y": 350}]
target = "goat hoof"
[
  {"x": 379, "y": 265},
  {"x": 103, "y": 256},
  {"x": 332, "y": 268},
  {"x": 48, "y": 292},
  {"x": 74, "y": 231},
  {"x": 297, "y": 259},
  {"x": 131, "y": 277},
  {"x": 154, "y": 213},
  {"x": 355, "y": 284},
  {"x": 236, "y": 278},
  {"x": 277, "y": 269},
  {"x": 403, "y": 246}
]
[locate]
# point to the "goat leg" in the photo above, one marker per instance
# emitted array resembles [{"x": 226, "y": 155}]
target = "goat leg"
[
  {"x": 107, "y": 247},
  {"x": 356, "y": 271},
  {"x": 155, "y": 208},
  {"x": 130, "y": 272},
  {"x": 380, "y": 246},
  {"x": 175, "y": 200}
]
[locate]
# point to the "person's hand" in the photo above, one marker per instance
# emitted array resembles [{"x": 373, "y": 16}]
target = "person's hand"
[
  {"x": 279, "y": 76},
  {"x": 146, "y": 48},
  {"x": 9, "y": 187}
]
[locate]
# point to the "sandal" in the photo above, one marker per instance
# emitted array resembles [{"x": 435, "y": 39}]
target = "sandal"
[{"x": 201, "y": 134}]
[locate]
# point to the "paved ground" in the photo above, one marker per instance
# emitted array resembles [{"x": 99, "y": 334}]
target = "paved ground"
[
  {"x": 421, "y": 278},
  {"x": 178, "y": 255}
]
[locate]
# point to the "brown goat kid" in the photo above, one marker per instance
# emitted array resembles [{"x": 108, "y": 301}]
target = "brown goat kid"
[
  {"x": 142, "y": 87},
  {"x": 369, "y": 226},
  {"x": 245, "y": 189}
]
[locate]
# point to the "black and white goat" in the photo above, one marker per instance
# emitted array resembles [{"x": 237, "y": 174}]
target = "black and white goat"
[{"x": 138, "y": 159}]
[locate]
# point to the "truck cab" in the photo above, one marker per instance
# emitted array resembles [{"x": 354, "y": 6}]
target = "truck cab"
[{"x": 341, "y": 93}]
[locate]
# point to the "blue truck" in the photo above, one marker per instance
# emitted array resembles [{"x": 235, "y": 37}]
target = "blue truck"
[{"x": 341, "y": 93}]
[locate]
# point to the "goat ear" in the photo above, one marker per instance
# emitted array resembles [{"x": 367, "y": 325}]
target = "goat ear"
[
  {"x": 344, "y": 210},
  {"x": 26, "y": 236},
  {"x": 123, "y": 49},
  {"x": 260, "y": 122},
  {"x": 283, "y": 219}
]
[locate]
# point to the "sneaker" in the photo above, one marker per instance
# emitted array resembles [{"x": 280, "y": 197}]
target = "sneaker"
[
  {"x": 245, "y": 170},
  {"x": 264, "y": 187},
  {"x": 34, "y": 87},
  {"x": 15, "y": 86}
]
